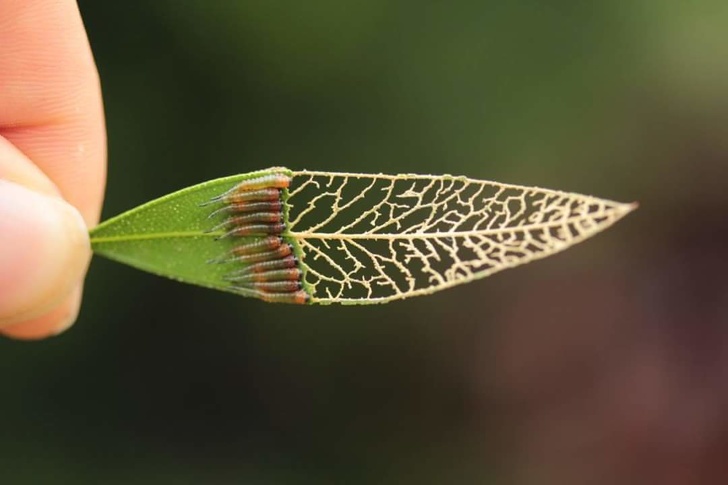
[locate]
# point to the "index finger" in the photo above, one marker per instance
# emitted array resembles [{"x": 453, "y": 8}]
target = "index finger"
[{"x": 50, "y": 98}]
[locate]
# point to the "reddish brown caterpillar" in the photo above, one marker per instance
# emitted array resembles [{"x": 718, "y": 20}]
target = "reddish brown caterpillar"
[
  {"x": 280, "y": 252},
  {"x": 257, "y": 188},
  {"x": 299, "y": 297},
  {"x": 255, "y": 230},
  {"x": 271, "y": 180},
  {"x": 246, "y": 219},
  {"x": 266, "y": 266},
  {"x": 272, "y": 286},
  {"x": 231, "y": 197},
  {"x": 255, "y": 246},
  {"x": 290, "y": 274},
  {"x": 265, "y": 206}
]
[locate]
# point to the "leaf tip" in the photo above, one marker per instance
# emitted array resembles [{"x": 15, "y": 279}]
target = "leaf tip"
[{"x": 625, "y": 209}]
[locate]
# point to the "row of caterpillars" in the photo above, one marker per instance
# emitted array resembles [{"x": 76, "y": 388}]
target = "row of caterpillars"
[{"x": 266, "y": 267}]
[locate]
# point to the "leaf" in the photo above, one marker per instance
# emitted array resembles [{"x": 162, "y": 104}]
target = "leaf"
[
  {"x": 352, "y": 238},
  {"x": 168, "y": 237}
]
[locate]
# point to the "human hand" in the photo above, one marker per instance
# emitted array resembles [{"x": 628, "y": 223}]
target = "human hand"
[{"x": 52, "y": 164}]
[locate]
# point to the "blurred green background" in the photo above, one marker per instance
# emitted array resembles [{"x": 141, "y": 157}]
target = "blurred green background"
[{"x": 606, "y": 364}]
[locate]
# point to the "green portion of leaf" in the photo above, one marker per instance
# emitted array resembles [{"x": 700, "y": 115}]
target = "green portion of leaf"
[{"x": 168, "y": 236}]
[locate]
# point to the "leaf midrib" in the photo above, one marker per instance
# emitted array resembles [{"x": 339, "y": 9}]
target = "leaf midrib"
[
  {"x": 150, "y": 236},
  {"x": 619, "y": 210}
]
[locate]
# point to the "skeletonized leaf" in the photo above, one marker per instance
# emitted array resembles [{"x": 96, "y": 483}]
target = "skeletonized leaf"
[{"x": 348, "y": 238}]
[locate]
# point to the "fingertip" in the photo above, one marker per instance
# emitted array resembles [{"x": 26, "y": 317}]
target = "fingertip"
[
  {"x": 55, "y": 322},
  {"x": 45, "y": 256}
]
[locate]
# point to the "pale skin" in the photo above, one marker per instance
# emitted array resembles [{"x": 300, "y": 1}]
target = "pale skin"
[{"x": 52, "y": 164}]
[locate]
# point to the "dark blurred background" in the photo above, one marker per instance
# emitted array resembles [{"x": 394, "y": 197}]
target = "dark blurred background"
[{"x": 607, "y": 364}]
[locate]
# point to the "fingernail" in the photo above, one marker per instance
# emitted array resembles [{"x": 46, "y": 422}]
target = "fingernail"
[{"x": 44, "y": 252}]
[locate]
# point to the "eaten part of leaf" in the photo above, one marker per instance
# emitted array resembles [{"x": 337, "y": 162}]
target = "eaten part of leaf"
[{"x": 324, "y": 237}]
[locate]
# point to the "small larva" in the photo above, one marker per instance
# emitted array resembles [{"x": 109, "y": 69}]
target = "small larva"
[
  {"x": 272, "y": 286},
  {"x": 267, "y": 206},
  {"x": 272, "y": 180},
  {"x": 264, "y": 266},
  {"x": 231, "y": 197},
  {"x": 268, "y": 181},
  {"x": 290, "y": 274},
  {"x": 267, "y": 217},
  {"x": 256, "y": 246},
  {"x": 299, "y": 297},
  {"x": 280, "y": 252},
  {"x": 270, "y": 242},
  {"x": 255, "y": 230},
  {"x": 257, "y": 217}
]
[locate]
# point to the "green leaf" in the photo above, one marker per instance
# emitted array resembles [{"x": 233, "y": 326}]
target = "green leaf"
[
  {"x": 348, "y": 238},
  {"x": 168, "y": 236}
]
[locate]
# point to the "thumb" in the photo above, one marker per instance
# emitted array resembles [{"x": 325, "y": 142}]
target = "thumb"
[{"x": 44, "y": 253}]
